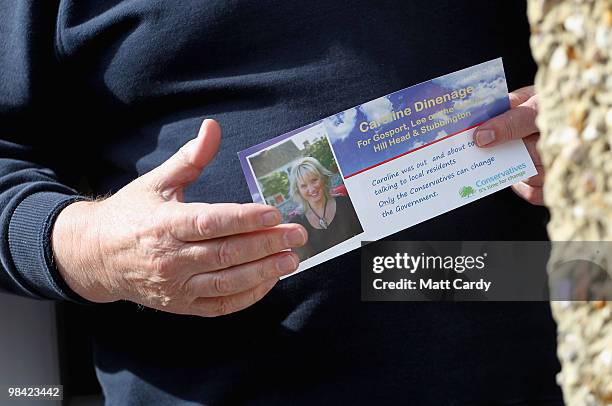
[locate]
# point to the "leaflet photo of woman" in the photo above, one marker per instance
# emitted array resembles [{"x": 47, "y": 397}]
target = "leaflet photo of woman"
[
  {"x": 327, "y": 215},
  {"x": 300, "y": 176}
]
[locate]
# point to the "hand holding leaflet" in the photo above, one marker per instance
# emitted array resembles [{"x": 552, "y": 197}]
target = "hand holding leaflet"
[{"x": 388, "y": 164}]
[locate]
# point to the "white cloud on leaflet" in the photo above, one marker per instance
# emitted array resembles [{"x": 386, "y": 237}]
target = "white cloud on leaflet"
[
  {"x": 377, "y": 109},
  {"x": 310, "y": 135},
  {"x": 339, "y": 126},
  {"x": 486, "y": 72},
  {"x": 485, "y": 93}
]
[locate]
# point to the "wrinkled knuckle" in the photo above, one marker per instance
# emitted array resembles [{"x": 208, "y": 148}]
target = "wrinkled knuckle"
[
  {"x": 205, "y": 225},
  {"x": 242, "y": 218},
  {"x": 221, "y": 307},
  {"x": 221, "y": 285},
  {"x": 269, "y": 244},
  {"x": 256, "y": 295},
  {"x": 189, "y": 289},
  {"x": 260, "y": 271},
  {"x": 509, "y": 129},
  {"x": 225, "y": 254}
]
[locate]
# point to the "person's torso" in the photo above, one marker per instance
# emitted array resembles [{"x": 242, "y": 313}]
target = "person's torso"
[{"x": 143, "y": 75}]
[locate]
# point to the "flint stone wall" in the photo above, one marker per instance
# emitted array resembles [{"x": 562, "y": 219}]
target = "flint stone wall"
[{"x": 572, "y": 42}]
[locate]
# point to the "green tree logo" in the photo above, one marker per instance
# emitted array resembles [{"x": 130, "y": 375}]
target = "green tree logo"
[{"x": 466, "y": 191}]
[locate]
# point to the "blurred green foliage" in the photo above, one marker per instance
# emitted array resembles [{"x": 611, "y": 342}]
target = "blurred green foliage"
[
  {"x": 322, "y": 152},
  {"x": 276, "y": 183}
]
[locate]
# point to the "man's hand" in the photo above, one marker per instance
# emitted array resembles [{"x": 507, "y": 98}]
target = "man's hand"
[
  {"x": 145, "y": 245},
  {"x": 518, "y": 123}
]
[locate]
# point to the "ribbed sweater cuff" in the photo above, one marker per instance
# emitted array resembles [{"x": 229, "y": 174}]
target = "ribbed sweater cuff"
[{"x": 29, "y": 238}]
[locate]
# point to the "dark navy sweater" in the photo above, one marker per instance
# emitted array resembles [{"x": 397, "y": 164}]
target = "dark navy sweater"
[{"x": 95, "y": 93}]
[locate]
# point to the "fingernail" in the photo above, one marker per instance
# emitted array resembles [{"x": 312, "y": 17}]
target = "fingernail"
[
  {"x": 286, "y": 264},
  {"x": 269, "y": 219},
  {"x": 484, "y": 137},
  {"x": 295, "y": 238}
]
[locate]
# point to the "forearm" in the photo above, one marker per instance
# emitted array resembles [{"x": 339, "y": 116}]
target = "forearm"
[{"x": 31, "y": 194}]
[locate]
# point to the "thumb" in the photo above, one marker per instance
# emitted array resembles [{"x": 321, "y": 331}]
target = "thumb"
[{"x": 187, "y": 163}]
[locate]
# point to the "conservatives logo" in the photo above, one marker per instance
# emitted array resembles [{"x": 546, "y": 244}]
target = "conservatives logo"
[{"x": 466, "y": 191}]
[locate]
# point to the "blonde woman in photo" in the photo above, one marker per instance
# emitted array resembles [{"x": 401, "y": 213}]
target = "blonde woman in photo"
[{"x": 329, "y": 220}]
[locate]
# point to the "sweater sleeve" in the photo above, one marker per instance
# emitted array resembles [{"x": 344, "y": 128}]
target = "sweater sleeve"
[{"x": 33, "y": 150}]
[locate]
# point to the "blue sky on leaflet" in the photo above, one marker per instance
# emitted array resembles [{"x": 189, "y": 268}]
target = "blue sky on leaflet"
[{"x": 490, "y": 92}]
